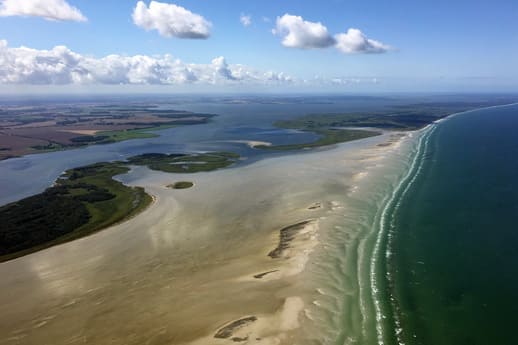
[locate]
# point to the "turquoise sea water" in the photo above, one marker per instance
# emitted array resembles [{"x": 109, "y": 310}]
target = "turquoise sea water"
[{"x": 447, "y": 268}]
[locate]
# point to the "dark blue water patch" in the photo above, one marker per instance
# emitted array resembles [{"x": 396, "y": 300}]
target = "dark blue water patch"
[{"x": 455, "y": 248}]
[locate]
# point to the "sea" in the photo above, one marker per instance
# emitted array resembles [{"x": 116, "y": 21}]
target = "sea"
[{"x": 450, "y": 276}]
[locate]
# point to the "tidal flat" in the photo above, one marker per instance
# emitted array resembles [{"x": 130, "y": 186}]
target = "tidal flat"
[{"x": 194, "y": 267}]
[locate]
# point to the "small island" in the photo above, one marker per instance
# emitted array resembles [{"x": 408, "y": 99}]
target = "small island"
[
  {"x": 180, "y": 185},
  {"x": 185, "y": 163}
]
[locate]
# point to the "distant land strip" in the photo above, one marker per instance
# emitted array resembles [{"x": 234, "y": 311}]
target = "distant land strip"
[
  {"x": 334, "y": 128},
  {"x": 46, "y": 128}
]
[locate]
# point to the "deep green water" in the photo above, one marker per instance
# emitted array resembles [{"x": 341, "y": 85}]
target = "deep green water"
[{"x": 452, "y": 275}]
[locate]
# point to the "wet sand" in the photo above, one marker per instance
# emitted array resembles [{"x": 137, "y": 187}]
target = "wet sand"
[{"x": 194, "y": 267}]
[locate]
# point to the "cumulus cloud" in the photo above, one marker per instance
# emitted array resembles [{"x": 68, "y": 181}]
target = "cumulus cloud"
[
  {"x": 299, "y": 33},
  {"x": 221, "y": 69},
  {"x": 62, "y": 66},
  {"x": 48, "y": 9},
  {"x": 246, "y": 20},
  {"x": 354, "y": 41},
  {"x": 170, "y": 20}
]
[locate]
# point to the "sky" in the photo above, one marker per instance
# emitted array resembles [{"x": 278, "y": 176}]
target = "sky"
[{"x": 259, "y": 45}]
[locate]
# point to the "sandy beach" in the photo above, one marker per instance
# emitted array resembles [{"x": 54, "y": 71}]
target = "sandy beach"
[{"x": 232, "y": 260}]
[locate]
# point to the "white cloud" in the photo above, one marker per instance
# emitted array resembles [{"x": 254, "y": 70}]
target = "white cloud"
[
  {"x": 170, "y": 20},
  {"x": 221, "y": 69},
  {"x": 62, "y": 66},
  {"x": 354, "y": 41},
  {"x": 246, "y": 20},
  {"x": 299, "y": 33},
  {"x": 354, "y": 80},
  {"x": 48, "y": 9}
]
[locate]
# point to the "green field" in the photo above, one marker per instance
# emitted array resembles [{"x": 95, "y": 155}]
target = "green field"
[
  {"x": 180, "y": 185},
  {"x": 128, "y": 134},
  {"x": 327, "y": 137},
  {"x": 103, "y": 137},
  {"x": 185, "y": 163}
]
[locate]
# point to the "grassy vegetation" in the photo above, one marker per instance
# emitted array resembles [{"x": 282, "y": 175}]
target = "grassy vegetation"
[
  {"x": 50, "y": 147},
  {"x": 327, "y": 137},
  {"x": 142, "y": 133},
  {"x": 126, "y": 201},
  {"x": 185, "y": 163},
  {"x": 83, "y": 201},
  {"x": 181, "y": 185}
]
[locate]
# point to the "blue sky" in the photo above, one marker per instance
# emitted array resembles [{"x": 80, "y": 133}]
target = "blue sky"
[{"x": 434, "y": 45}]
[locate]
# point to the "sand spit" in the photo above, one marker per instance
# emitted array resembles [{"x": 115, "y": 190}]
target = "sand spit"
[
  {"x": 81, "y": 131},
  {"x": 251, "y": 143},
  {"x": 228, "y": 330},
  {"x": 286, "y": 236},
  {"x": 260, "y": 275},
  {"x": 315, "y": 206},
  {"x": 194, "y": 264},
  {"x": 269, "y": 329}
]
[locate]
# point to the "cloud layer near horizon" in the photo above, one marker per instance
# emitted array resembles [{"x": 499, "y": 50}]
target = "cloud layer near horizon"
[
  {"x": 299, "y": 33},
  {"x": 61, "y": 66},
  {"x": 170, "y": 20},
  {"x": 58, "y": 10}
]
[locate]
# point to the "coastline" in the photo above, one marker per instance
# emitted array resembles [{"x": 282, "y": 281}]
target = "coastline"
[
  {"x": 383, "y": 242},
  {"x": 431, "y": 253},
  {"x": 380, "y": 292}
]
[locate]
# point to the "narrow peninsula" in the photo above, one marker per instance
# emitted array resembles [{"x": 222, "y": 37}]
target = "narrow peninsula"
[{"x": 87, "y": 199}]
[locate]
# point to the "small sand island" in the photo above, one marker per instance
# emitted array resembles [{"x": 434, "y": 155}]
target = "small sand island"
[{"x": 180, "y": 185}]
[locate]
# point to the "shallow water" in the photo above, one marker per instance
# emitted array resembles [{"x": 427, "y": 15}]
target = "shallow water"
[
  {"x": 346, "y": 307},
  {"x": 178, "y": 272},
  {"x": 31, "y": 174}
]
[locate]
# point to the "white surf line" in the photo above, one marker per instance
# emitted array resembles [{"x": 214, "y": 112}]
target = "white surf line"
[
  {"x": 473, "y": 110},
  {"x": 363, "y": 307},
  {"x": 390, "y": 235},
  {"x": 381, "y": 233}
]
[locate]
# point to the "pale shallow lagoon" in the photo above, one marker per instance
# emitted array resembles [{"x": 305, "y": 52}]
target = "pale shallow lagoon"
[{"x": 182, "y": 269}]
